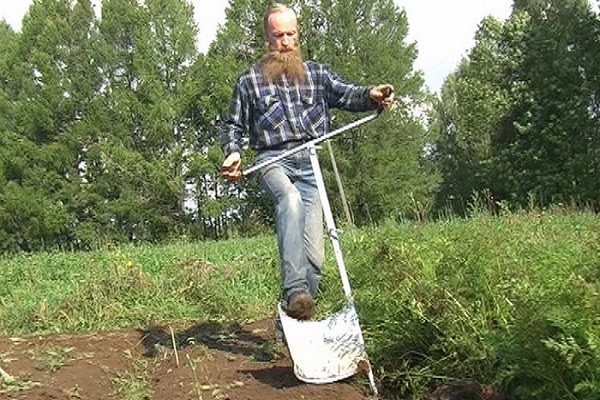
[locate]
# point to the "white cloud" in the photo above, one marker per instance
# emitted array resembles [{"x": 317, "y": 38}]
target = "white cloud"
[
  {"x": 208, "y": 14},
  {"x": 13, "y": 12},
  {"x": 444, "y": 31}
]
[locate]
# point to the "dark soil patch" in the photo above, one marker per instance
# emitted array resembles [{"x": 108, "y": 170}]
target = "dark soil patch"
[{"x": 212, "y": 361}]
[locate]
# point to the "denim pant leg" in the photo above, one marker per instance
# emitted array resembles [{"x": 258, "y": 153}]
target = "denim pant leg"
[
  {"x": 313, "y": 233},
  {"x": 290, "y": 184}
]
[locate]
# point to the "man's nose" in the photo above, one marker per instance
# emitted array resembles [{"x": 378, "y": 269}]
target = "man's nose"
[{"x": 286, "y": 41}]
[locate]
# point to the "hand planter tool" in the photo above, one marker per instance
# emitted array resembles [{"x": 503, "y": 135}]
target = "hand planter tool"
[
  {"x": 333, "y": 348},
  {"x": 311, "y": 143}
]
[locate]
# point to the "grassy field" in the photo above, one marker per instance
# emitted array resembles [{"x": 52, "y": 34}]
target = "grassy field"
[{"x": 511, "y": 301}]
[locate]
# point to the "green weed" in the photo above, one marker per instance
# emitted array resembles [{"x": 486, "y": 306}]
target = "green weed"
[
  {"x": 51, "y": 359},
  {"x": 509, "y": 300},
  {"x": 133, "y": 384},
  {"x": 10, "y": 384}
]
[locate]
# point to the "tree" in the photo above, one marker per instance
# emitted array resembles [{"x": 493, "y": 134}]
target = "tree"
[
  {"x": 381, "y": 164},
  {"x": 8, "y": 43},
  {"x": 473, "y": 103},
  {"x": 226, "y": 208},
  {"x": 556, "y": 144},
  {"x": 47, "y": 98},
  {"x": 136, "y": 154},
  {"x": 519, "y": 118}
]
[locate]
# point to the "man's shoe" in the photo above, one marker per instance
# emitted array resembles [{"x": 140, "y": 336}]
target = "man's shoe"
[{"x": 301, "y": 306}]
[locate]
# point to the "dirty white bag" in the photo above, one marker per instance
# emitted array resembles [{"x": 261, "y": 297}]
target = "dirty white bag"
[{"x": 328, "y": 350}]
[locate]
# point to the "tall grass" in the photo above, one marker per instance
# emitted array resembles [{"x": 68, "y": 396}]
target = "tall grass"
[
  {"x": 134, "y": 285},
  {"x": 510, "y": 301}
]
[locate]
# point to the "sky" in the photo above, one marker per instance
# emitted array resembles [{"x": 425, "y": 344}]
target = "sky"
[{"x": 443, "y": 29}]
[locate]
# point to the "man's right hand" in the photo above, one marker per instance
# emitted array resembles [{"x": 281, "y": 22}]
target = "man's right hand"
[{"x": 231, "y": 167}]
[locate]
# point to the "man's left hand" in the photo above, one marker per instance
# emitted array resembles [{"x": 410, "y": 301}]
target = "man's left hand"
[{"x": 383, "y": 95}]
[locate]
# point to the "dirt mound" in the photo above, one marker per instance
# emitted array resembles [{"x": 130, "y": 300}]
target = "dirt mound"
[{"x": 200, "y": 362}]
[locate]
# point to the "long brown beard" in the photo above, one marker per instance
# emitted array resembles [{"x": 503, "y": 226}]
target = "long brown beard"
[{"x": 288, "y": 63}]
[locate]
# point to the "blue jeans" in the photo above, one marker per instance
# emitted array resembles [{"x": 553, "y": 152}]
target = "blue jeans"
[{"x": 290, "y": 183}]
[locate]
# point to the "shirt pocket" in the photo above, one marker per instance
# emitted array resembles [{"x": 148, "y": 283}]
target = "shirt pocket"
[
  {"x": 314, "y": 113},
  {"x": 271, "y": 113}
]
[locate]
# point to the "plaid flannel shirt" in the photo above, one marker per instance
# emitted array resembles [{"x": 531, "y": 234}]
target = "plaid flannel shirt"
[{"x": 271, "y": 114}]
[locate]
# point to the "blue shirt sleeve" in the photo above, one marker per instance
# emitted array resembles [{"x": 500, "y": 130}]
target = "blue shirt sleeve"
[
  {"x": 236, "y": 120},
  {"x": 345, "y": 95}
]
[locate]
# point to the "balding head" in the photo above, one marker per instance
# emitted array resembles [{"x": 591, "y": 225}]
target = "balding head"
[
  {"x": 276, "y": 9},
  {"x": 280, "y": 28}
]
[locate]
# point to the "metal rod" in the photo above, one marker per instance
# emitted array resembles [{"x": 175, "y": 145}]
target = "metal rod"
[
  {"x": 338, "y": 180},
  {"x": 337, "y": 250},
  {"x": 310, "y": 143},
  {"x": 329, "y": 221}
]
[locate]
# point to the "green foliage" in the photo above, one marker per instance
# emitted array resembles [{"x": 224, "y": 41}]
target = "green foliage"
[
  {"x": 519, "y": 116},
  {"x": 100, "y": 131},
  {"x": 382, "y": 161},
  {"x": 558, "y": 129},
  {"x": 109, "y": 126},
  {"x": 111, "y": 123},
  {"x": 382, "y": 171},
  {"x": 509, "y": 301}
]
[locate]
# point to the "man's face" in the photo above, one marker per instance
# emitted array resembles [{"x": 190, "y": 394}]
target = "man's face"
[{"x": 283, "y": 31}]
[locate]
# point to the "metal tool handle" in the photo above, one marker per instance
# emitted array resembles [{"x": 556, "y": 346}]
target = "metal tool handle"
[
  {"x": 337, "y": 251},
  {"x": 310, "y": 143},
  {"x": 329, "y": 221}
]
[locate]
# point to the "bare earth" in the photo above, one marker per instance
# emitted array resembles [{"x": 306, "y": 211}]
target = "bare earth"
[{"x": 211, "y": 361}]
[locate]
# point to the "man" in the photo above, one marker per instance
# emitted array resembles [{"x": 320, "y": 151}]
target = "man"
[{"x": 280, "y": 103}]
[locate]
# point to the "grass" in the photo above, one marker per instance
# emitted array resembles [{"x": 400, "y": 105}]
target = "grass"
[
  {"x": 130, "y": 285},
  {"x": 512, "y": 301},
  {"x": 10, "y": 384},
  {"x": 51, "y": 359}
]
